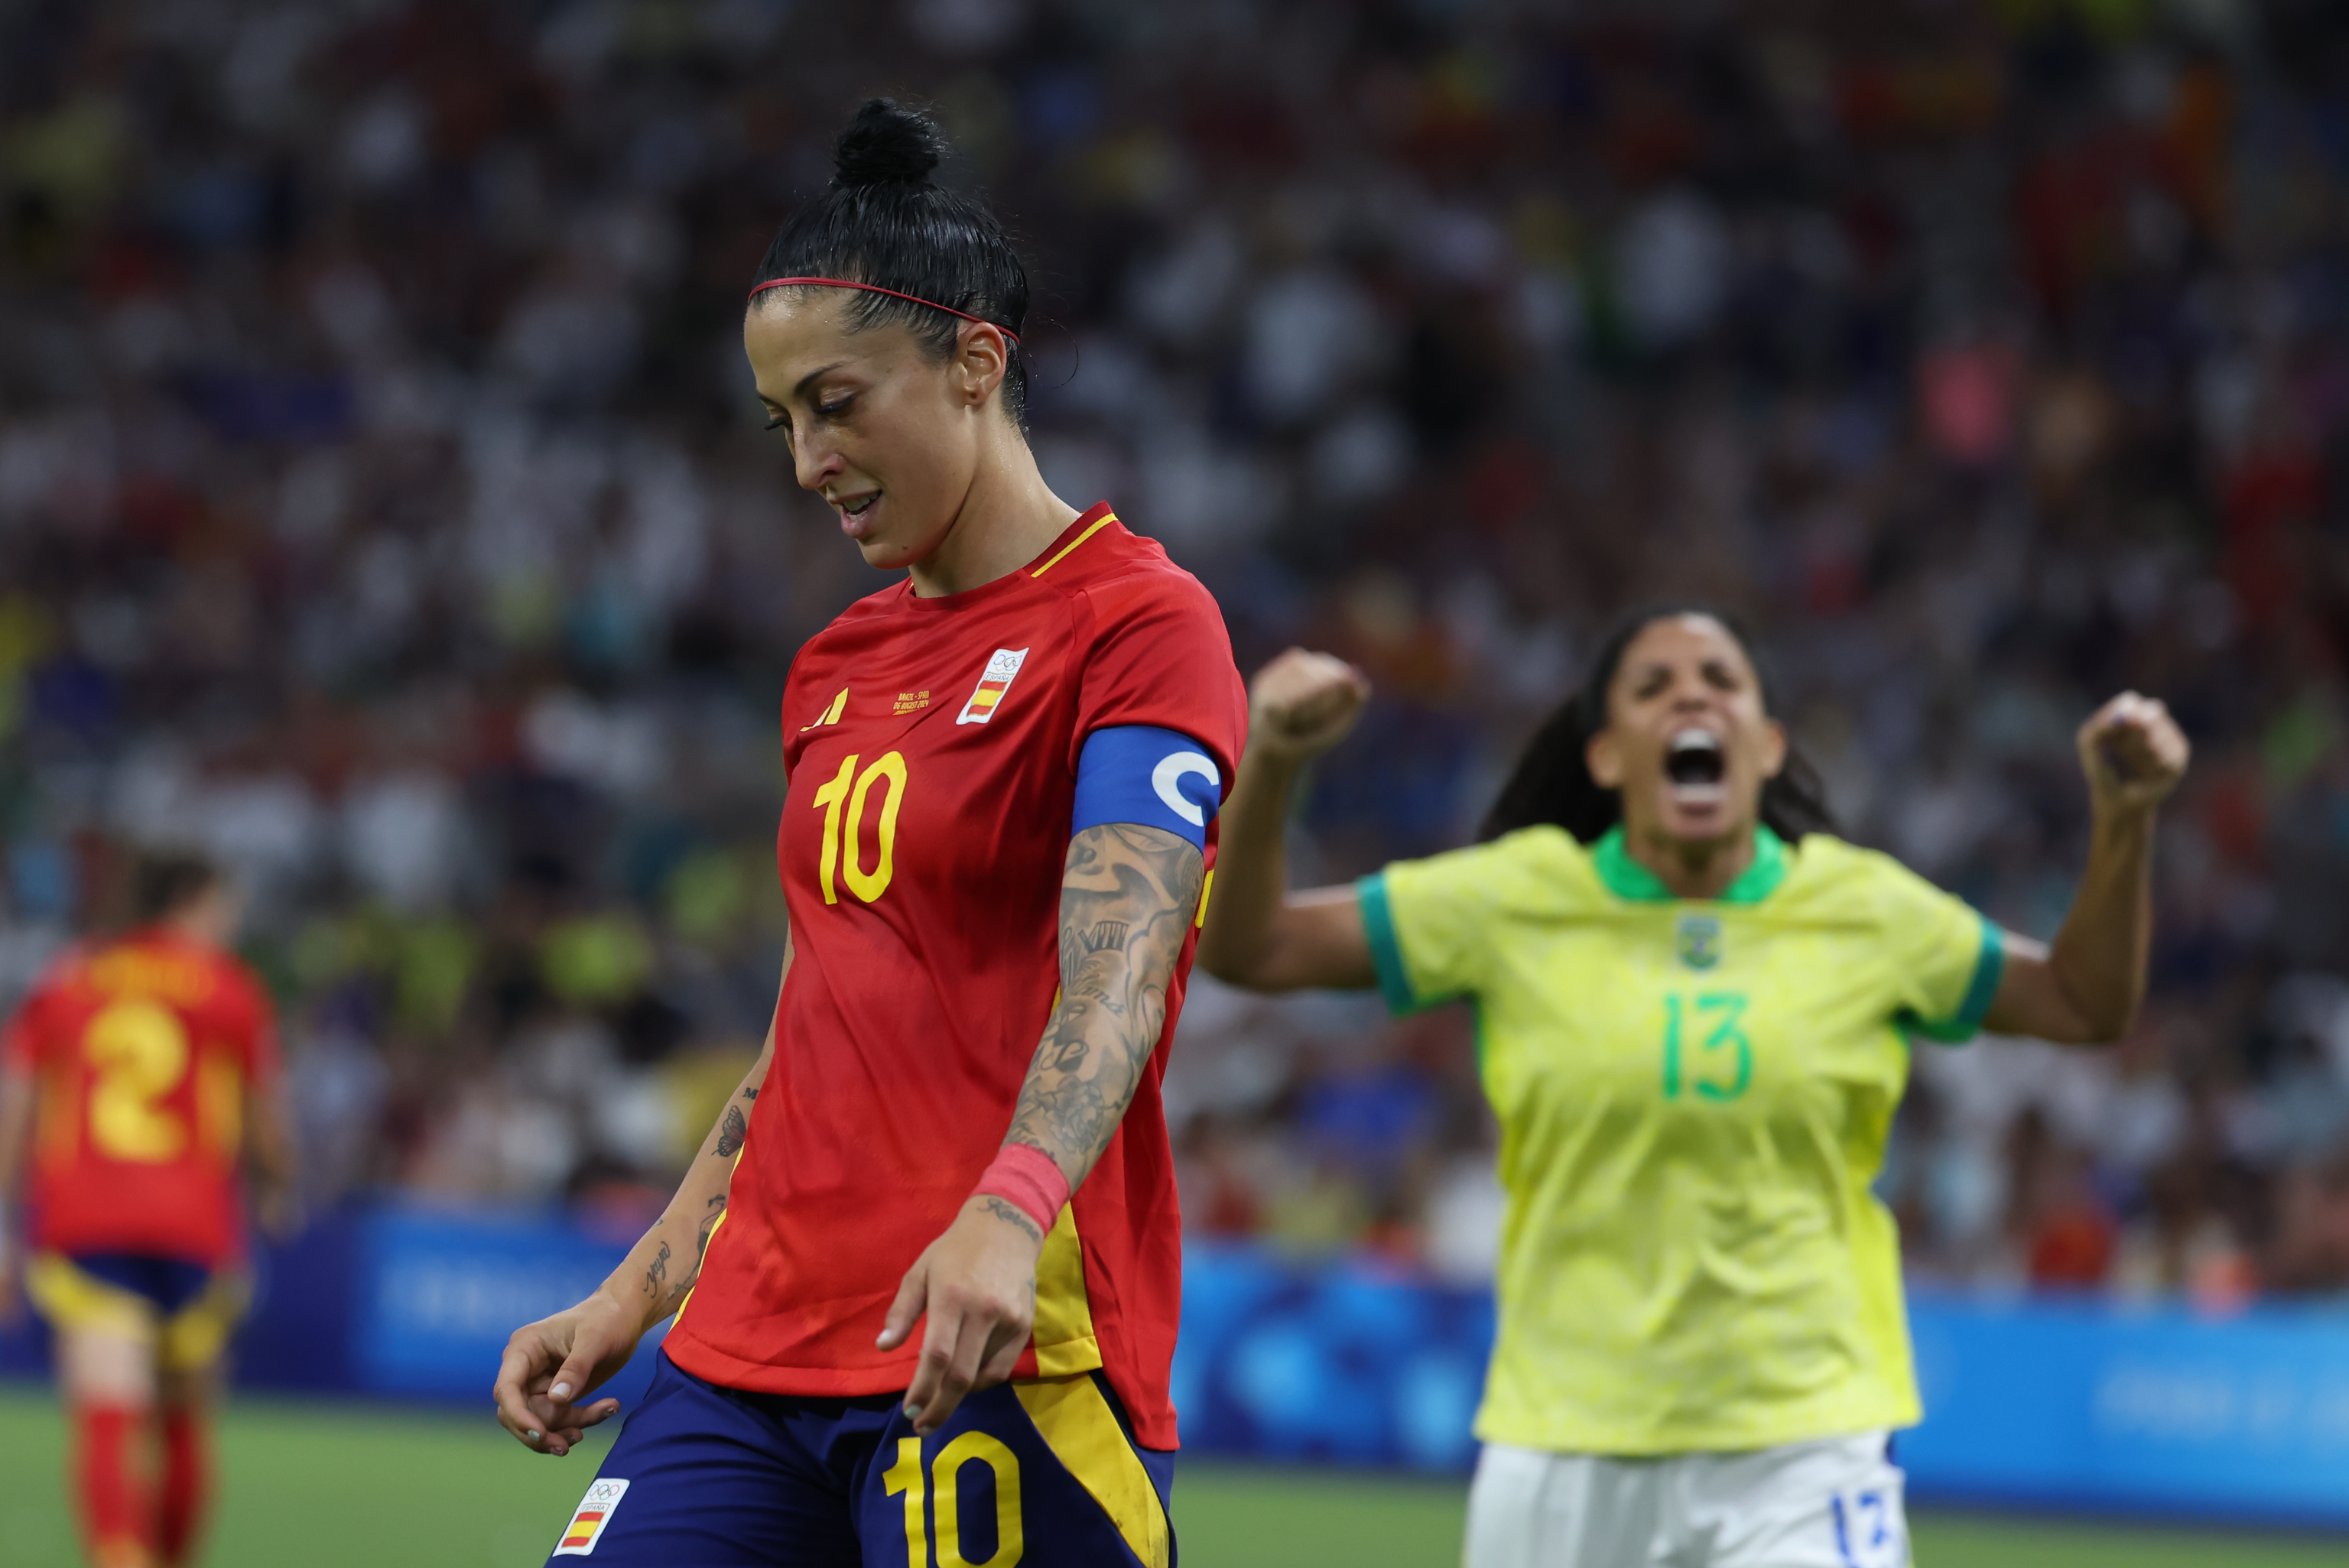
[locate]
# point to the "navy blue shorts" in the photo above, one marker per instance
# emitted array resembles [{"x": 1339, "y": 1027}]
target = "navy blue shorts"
[
  {"x": 1043, "y": 1474},
  {"x": 169, "y": 1282}
]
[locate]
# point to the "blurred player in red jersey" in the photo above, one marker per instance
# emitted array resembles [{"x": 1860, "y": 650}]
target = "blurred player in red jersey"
[
  {"x": 1004, "y": 772},
  {"x": 143, "y": 1073}
]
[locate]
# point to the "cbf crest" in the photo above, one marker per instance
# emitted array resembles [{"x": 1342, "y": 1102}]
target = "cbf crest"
[{"x": 1700, "y": 941}]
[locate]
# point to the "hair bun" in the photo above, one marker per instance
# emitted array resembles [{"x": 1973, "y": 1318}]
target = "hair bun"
[{"x": 887, "y": 144}]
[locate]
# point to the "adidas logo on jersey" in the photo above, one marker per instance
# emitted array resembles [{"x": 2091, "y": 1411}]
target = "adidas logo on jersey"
[{"x": 830, "y": 714}]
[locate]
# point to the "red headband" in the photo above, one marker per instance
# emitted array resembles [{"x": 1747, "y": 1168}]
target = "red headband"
[{"x": 877, "y": 288}]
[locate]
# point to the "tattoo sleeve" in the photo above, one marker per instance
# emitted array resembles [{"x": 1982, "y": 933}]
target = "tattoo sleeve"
[{"x": 1127, "y": 899}]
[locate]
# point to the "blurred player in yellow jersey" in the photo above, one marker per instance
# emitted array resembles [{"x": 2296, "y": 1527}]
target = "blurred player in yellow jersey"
[
  {"x": 1695, "y": 1017},
  {"x": 141, "y": 1075}
]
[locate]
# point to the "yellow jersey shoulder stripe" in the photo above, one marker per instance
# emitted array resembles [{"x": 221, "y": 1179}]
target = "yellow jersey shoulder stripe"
[{"x": 1069, "y": 549}]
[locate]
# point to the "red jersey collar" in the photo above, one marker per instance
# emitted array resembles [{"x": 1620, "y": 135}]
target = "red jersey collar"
[{"x": 1088, "y": 522}]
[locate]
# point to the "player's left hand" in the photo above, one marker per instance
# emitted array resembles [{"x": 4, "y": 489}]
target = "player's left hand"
[
  {"x": 978, "y": 1284},
  {"x": 2133, "y": 753}
]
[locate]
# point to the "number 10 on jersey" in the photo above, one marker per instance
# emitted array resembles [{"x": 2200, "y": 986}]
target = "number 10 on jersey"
[{"x": 843, "y": 839}]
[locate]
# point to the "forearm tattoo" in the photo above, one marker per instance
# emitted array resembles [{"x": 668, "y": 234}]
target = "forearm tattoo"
[
  {"x": 1010, "y": 1214},
  {"x": 701, "y": 1247},
  {"x": 668, "y": 1295},
  {"x": 1126, "y": 904},
  {"x": 656, "y": 1285}
]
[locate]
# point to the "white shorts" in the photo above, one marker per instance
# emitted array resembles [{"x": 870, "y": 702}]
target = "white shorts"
[{"x": 1835, "y": 1503}]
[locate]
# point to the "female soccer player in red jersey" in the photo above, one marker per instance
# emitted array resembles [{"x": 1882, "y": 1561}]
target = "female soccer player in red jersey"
[
  {"x": 934, "y": 1264},
  {"x": 150, "y": 1066}
]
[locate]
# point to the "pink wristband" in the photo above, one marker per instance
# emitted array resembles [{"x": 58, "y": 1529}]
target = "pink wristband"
[{"x": 1029, "y": 1180}]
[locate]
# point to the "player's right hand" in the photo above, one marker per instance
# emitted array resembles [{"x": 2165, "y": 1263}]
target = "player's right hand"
[
  {"x": 551, "y": 1363},
  {"x": 976, "y": 1285},
  {"x": 1303, "y": 703}
]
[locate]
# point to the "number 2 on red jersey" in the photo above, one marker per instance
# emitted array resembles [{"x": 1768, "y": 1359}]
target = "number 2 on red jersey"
[{"x": 137, "y": 1054}]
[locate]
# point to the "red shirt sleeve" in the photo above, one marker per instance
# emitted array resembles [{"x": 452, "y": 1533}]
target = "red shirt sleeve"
[{"x": 1160, "y": 655}]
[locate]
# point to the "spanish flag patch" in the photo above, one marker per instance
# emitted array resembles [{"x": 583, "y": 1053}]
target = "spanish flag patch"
[
  {"x": 992, "y": 685},
  {"x": 595, "y": 1511}
]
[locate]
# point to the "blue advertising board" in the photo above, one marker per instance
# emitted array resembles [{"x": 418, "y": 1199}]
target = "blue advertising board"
[
  {"x": 1351, "y": 1362},
  {"x": 2048, "y": 1403},
  {"x": 2084, "y": 1405},
  {"x": 438, "y": 1294}
]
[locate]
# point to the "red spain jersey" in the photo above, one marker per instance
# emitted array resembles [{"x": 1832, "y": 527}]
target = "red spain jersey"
[
  {"x": 932, "y": 744},
  {"x": 142, "y": 1052}
]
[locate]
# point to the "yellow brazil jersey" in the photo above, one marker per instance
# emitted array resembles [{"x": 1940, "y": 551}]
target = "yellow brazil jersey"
[{"x": 1693, "y": 1099}]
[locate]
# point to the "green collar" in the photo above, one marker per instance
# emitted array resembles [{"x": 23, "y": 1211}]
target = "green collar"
[{"x": 1628, "y": 879}]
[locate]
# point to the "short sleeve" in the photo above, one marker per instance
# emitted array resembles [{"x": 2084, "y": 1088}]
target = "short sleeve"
[
  {"x": 1159, "y": 657},
  {"x": 1947, "y": 958},
  {"x": 1429, "y": 924}
]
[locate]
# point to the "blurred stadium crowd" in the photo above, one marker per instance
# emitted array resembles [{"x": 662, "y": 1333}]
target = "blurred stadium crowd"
[{"x": 382, "y": 504}]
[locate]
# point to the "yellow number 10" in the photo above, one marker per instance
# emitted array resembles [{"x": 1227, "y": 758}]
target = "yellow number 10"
[
  {"x": 841, "y": 849},
  {"x": 971, "y": 1448}
]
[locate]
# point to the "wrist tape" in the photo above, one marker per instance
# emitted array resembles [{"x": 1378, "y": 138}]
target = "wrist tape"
[{"x": 1029, "y": 1180}]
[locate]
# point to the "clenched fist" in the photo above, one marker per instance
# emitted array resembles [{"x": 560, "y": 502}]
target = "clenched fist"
[
  {"x": 1302, "y": 704},
  {"x": 2133, "y": 753}
]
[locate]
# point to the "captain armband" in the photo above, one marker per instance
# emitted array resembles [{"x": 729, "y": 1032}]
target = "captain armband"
[{"x": 1150, "y": 777}]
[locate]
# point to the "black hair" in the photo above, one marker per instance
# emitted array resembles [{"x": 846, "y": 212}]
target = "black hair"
[
  {"x": 166, "y": 881},
  {"x": 883, "y": 222},
  {"x": 1552, "y": 783}
]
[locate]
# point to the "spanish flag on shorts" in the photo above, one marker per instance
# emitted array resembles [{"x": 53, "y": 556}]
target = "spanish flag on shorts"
[{"x": 596, "y": 1511}]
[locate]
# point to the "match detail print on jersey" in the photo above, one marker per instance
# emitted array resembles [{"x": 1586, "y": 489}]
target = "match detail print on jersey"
[
  {"x": 595, "y": 1511},
  {"x": 1149, "y": 777},
  {"x": 991, "y": 687}
]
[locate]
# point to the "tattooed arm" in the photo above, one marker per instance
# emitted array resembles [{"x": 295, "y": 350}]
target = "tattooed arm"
[
  {"x": 554, "y": 1363},
  {"x": 1127, "y": 898}
]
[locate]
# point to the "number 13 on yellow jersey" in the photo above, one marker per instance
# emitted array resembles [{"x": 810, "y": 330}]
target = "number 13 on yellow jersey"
[{"x": 1707, "y": 1052}]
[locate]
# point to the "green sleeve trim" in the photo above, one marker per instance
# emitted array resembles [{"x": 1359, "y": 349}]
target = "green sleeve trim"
[
  {"x": 1989, "y": 970},
  {"x": 1386, "y": 954}
]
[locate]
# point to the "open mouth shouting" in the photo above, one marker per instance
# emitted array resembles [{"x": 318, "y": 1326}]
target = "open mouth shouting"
[{"x": 1696, "y": 765}]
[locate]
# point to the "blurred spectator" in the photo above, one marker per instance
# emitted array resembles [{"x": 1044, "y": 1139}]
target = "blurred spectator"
[{"x": 382, "y": 506}]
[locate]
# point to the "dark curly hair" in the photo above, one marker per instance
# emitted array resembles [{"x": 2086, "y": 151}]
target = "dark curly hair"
[{"x": 1552, "y": 783}]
